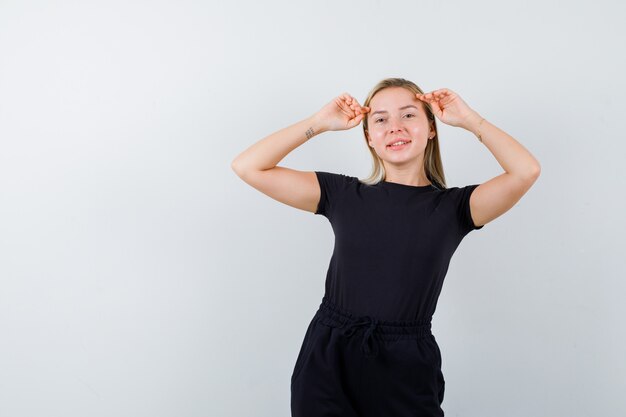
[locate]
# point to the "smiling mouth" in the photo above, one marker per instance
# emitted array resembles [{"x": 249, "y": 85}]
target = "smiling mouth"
[{"x": 403, "y": 143}]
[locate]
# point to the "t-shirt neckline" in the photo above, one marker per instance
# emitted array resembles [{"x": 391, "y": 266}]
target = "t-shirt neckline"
[{"x": 408, "y": 187}]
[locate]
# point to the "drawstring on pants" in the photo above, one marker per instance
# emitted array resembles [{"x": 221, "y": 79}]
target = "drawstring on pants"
[
  {"x": 376, "y": 328},
  {"x": 368, "y": 335}
]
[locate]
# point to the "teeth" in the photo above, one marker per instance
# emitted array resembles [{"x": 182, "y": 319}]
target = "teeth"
[{"x": 398, "y": 143}]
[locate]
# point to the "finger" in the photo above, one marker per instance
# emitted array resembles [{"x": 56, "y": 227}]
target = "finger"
[
  {"x": 357, "y": 107},
  {"x": 442, "y": 95},
  {"x": 431, "y": 95},
  {"x": 356, "y": 102},
  {"x": 363, "y": 110},
  {"x": 437, "y": 110},
  {"x": 428, "y": 98},
  {"x": 346, "y": 98},
  {"x": 341, "y": 103},
  {"x": 356, "y": 120}
]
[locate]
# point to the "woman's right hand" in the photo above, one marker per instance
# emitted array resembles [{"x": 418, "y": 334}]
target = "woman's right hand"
[{"x": 342, "y": 113}]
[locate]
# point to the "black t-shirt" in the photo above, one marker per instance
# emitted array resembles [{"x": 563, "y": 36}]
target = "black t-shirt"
[{"x": 393, "y": 244}]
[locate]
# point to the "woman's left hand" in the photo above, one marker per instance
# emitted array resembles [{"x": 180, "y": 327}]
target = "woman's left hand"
[{"x": 448, "y": 107}]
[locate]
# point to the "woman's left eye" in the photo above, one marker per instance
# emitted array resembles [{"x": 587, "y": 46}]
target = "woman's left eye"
[{"x": 410, "y": 114}]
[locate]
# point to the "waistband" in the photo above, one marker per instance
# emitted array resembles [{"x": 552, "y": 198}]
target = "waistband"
[{"x": 331, "y": 315}]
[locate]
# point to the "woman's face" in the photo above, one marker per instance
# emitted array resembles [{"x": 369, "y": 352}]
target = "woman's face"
[{"x": 397, "y": 115}]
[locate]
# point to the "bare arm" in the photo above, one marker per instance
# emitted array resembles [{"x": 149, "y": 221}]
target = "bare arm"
[
  {"x": 512, "y": 156},
  {"x": 498, "y": 195},
  {"x": 269, "y": 151},
  {"x": 257, "y": 165}
]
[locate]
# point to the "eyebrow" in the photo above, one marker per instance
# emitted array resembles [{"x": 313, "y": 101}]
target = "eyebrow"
[{"x": 401, "y": 108}]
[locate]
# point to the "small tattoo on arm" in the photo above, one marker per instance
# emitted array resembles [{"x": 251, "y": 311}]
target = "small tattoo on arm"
[{"x": 309, "y": 133}]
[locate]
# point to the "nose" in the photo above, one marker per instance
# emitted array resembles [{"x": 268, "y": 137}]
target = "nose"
[{"x": 394, "y": 126}]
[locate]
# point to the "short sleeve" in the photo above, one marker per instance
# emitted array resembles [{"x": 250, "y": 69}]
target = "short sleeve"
[
  {"x": 462, "y": 198},
  {"x": 331, "y": 187}
]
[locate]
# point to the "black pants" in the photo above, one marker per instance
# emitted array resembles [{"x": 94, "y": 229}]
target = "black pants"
[{"x": 351, "y": 366}]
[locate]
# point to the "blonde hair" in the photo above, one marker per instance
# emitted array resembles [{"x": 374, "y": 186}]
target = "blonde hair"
[{"x": 432, "y": 157}]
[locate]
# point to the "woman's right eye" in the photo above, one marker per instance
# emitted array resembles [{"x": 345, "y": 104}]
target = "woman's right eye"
[{"x": 376, "y": 121}]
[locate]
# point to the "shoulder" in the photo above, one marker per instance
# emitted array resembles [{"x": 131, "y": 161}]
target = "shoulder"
[
  {"x": 333, "y": 188},
  {"x": 335, "y": 176},
  {"x": 458, "y": 192},
  {"x": 334, "y": 180},
  {"x": 459, "y": 199}
]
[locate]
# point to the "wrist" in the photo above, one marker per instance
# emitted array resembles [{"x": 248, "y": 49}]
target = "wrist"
[
  {"x": 316, "y": 125},
  {"x": 472, "y": 123}
]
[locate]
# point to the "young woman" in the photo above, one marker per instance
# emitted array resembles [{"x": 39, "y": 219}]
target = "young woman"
[{"x": 369, "y": 350}]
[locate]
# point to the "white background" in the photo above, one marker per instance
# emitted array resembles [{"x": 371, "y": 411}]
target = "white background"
[{"x": 139, "y": 276}]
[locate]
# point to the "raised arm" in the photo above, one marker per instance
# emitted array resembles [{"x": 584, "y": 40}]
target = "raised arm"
[
  {"x": 257, "y": 165},
  {"x": 498, "y": 195}
]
